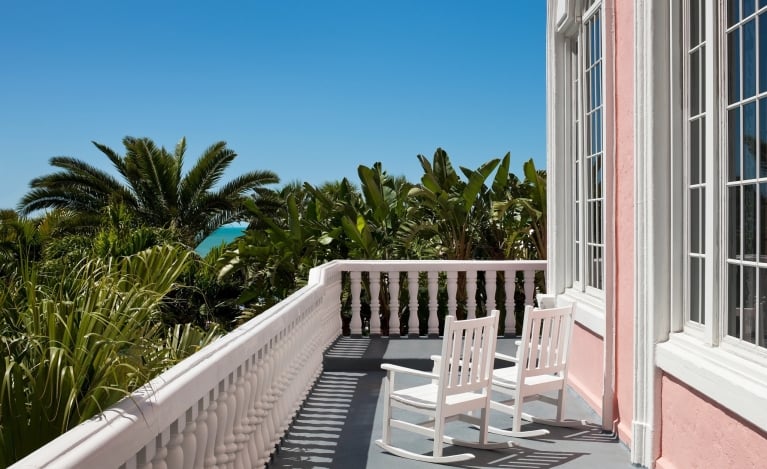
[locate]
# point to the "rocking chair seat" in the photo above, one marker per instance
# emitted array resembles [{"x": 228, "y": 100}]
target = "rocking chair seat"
[
  {"x": 425, "y": 397},
  {"x": 507, "y": 378}
]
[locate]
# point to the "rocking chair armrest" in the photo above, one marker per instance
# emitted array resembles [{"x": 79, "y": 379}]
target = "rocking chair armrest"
[
  {"x": 508, "y": 358},
  {"x": 401, "y": 369}
]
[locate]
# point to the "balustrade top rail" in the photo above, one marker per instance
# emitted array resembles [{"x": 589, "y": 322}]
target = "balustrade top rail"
[{"x": 228, "y": 404}]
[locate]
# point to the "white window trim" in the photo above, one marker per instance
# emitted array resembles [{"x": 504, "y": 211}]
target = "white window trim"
[
  {"x": 591, "y": 303},
  {"x": 663, "y": 341},
  {"x": 595, "y": 313}
]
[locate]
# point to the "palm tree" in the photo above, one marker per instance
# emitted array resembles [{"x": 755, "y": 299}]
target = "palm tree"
[{"x": 154, "y": 187}]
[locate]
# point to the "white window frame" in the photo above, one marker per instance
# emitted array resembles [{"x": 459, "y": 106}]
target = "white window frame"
[
  {"x": 562, "y": 280},
  {"x": 699, "y": 355}
]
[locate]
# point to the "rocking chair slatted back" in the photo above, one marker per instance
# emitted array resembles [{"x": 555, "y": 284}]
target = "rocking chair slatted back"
[
  {"x": 544, "y": 342},
  {"x": 468, "y": 354}
]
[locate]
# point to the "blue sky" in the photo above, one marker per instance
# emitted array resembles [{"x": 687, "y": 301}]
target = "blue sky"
[{"x": 308, "y": 89}]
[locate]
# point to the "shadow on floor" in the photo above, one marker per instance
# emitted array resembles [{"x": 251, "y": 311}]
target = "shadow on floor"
[{"x": 339, "y": 421}]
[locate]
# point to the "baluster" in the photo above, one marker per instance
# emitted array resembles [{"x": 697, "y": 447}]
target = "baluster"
[
  {"x": 452, "y": 288},
  {"x": 223, "y": 414},
  {"x": 510, "y": 325},
  {"x": 471, "y": 294},
  {"x": 413, "y": 325},
  {"x": 275, "y": 392},
  {"x": 175, "y": 455},
  {"x": 290, "y": 370},
  {"x": 490, "y": 281},
  {"x": 160, "y": 452},
  {"x": 355, "y": 286},
  {"x": 252, "y": 412},
  {"x": 189, "y": 439},
  {"x": 245, "y": 418},
  {"x": 433, "y": 278},
  {"x": 212, "y": 415},
  {"x": 201, "y": 434},
  {"x": 529, "y": 287},
  {"x": 144, "y": 456},
  {"x": 239, "y": 426},
  {"x": 270, "y": 398},
  {"x": 231, "y": 419},
  {"x": 375, "y": 303},
  {"x": 394, "y": 304},
  {"x": 262, "y": 379}
]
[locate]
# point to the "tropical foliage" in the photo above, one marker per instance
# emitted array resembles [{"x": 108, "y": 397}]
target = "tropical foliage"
[
  {"x": 102, "y": 290},
  {"x": 153, "y": 188},
  {"x": 75, "y": 342}
]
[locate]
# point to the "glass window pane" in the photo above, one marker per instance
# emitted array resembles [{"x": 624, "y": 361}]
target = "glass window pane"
[
  {"x": 763, "y": 134},
  {"x": 733, "y": 12},
  {"x": 694, "y": 218},
  {"x": 598, "y": 36},
  {"x": 694, "y": 22},
  {"x": 749, "y": 304},
  {"x": 733, "y": 66},
  {"x": 762, "y": 308},
  {"x": 763, "y": 223},
  {"x": 695, "y": 82},
  {"x": 598, "y": 84},
  {"x": 749, "y": 59},
  {"x": 702, "y": 80},
  {"x": 733, "y": 135},
  {"x": 733, "y": 300},
  {"x": 749, "y": 222},
  {"x": 600, "y": 136},
  {"x": 702, "y": 149},
  {"x": 733, "y": 223},
  {"x": 749, "y": 7},
  {"x": 762, "y": 3},
  {"x": 763, "y": 52},
  {"x": 694, "y": 156},
  {"x": 592, "y": 44},
  {"x": 695, "y": 289},
  {"x": 749, "y": 141},
  {"x": 703, "y": 220}
]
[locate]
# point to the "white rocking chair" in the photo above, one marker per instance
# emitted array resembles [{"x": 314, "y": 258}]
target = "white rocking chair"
[
  {"x": 541, "y": 367},
  {"x": 461, "y": 385}
]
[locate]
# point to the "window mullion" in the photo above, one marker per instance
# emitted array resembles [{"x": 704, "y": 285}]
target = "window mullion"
[{"x": 714, "y": 146}]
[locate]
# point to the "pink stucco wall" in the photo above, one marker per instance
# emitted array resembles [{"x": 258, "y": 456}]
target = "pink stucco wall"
[
  {"x": 624, "y": 220},
  {"x": 698, "y": 433},
  {"x": 585, "y": 367}
]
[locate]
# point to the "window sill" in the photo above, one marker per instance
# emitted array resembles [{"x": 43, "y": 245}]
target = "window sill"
[
  {"x": 732, "y": 382},
  {"x": 589, "y": 310}
]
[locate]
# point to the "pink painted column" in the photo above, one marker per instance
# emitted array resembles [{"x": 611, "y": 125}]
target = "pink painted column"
[{"x": 624, "y": 219}]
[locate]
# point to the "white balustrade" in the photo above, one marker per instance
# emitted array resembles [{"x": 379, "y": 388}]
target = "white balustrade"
[
  {"x": 229, "y": 404},
  {"x": 440, "y": 276}
]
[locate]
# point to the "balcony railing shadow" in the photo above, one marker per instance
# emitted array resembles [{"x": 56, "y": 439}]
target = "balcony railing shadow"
[{"x": 340, "y": 419}]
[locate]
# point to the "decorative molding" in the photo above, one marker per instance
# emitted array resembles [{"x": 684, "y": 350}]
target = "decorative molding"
[{"x": 565, "y": 14}]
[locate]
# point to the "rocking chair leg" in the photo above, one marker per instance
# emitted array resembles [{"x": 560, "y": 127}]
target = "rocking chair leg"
[{"x": 386, "y": 434}]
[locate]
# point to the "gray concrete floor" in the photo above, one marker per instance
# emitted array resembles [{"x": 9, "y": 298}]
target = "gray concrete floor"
[{"x": 341, "y": 419}]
